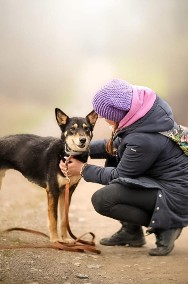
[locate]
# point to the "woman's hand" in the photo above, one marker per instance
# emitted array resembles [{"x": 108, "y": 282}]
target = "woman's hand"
[{"x": 71, "y": 167}]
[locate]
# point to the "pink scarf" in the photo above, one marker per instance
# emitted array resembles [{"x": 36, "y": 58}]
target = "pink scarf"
[{"x": 142, "y": 101}]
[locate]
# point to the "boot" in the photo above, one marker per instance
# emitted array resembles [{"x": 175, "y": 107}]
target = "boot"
[
  {"x": 129, "y": 234},
  {"x": 165, "y": 241}
]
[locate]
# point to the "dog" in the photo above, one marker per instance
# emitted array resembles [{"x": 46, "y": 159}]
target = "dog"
[{"x": 37, "y": 158}]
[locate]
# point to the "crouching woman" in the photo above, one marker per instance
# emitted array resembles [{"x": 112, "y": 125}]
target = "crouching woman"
[{"x": 149, "y": 185}]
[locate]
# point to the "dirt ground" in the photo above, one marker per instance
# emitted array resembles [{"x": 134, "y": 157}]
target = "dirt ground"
[{"x": 24, "y": 205}]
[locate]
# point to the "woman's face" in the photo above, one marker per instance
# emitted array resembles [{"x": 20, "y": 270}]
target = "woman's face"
[{"x": 110, "y": 122}]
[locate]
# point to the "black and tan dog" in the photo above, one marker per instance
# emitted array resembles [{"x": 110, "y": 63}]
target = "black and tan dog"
[{"x": 37, "y": 158}]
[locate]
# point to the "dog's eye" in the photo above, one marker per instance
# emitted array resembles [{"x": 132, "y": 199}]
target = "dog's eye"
[
  {"x": 86, "y": 128},
  {"x": 72, "y": 129}
]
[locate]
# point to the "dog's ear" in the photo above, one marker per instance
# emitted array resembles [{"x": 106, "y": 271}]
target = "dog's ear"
[
  {"x": 61, "y": 117},
  {"x": 92, "y": 117}
]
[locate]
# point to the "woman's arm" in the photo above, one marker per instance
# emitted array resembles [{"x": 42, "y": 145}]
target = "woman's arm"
[
  {"x": 137, "y": 158},
  {"x": 97, "y": 149}
]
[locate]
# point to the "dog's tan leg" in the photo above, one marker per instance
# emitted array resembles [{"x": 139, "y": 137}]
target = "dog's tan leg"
[
  {"x": 63, "y": 227},
  {"x": 2, "y": 174},
  {"x": 62, "y": 215},
  {"x": 52, "y": 216}
]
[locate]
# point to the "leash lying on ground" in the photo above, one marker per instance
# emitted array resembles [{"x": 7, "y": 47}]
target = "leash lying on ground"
[{"x": 78, "y": 245}]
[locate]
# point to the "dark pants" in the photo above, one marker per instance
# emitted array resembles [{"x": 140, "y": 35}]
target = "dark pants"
[{"x": 132, "y": 205}]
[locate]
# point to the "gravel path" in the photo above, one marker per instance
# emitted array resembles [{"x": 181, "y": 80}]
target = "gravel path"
[{"x": 21, "y": 204}]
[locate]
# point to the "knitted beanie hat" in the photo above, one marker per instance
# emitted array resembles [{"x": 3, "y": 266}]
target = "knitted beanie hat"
[{"x": 113, "y": 101}]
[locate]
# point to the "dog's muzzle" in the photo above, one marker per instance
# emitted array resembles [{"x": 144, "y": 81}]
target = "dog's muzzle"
[
  {"x": 71, "y": 152},
  {"x": 82, "y": 142}
]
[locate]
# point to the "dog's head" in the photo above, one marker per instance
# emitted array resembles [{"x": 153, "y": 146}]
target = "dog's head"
[{"x": 77, "y": 132}]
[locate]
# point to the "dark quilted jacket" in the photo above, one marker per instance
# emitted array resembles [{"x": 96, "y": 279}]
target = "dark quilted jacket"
[{"x": 150, "y": 160}]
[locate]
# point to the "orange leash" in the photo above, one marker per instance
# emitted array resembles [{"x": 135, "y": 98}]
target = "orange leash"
[
  {"x": 78, "y": 245},
  {"x": 67, "y": 221}
]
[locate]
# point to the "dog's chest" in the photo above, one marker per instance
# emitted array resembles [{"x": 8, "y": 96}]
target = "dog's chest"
[{"x": 62, "y": 180}]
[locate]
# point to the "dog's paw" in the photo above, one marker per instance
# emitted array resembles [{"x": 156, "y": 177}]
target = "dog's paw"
[
  {"x": 66, "y": 240},
  {"x": 61, "y": 240},
  {"x": 54, "y": 240}
]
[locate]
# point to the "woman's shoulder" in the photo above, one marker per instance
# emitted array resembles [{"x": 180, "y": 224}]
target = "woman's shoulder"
[
  {"x": 142, "y": 136},
  {"x": 143, "y": 139}
]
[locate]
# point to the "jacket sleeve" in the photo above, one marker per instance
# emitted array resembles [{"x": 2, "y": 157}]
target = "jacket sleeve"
[
  {"x": 98, "y": 149},
  {"x": 136, "y": 158}
]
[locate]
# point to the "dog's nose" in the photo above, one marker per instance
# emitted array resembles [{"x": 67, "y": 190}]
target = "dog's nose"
[{"x": 82, "y": 140}]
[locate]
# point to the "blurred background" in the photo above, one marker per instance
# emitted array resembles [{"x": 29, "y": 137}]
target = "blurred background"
[{"x": 57, "y": 53}]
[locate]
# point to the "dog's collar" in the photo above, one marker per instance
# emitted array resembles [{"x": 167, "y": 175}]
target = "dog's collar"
[{"x": 70, "y": 152}]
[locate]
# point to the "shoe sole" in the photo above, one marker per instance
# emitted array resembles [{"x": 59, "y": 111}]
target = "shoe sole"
[{"x": 131, "y": 244}]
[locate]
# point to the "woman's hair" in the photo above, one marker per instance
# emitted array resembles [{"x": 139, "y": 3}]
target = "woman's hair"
[{"x": 109, "y": 145}]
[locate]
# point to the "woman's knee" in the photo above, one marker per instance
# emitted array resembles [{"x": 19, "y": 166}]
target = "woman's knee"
[
  {"x": 98, "y": 202},
  {"x": 104, "y": 199}
]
